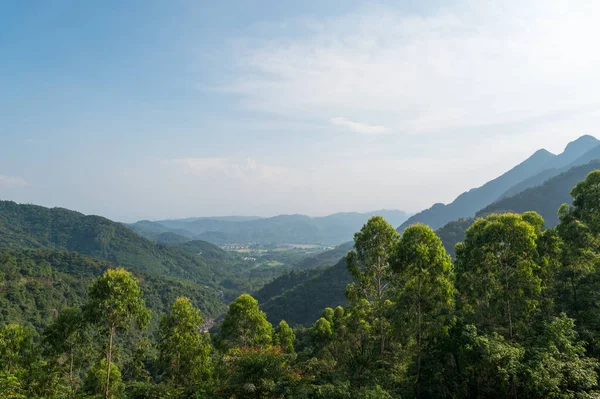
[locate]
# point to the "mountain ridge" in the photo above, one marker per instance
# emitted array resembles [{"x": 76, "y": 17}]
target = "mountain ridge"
[
  {"x": 469, "y": 202},
  {"x": 332, "y": 229}
]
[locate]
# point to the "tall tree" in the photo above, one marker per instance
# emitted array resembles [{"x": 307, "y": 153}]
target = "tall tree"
[
  {"x": 284, "y": 337},
  {"x": 425, "y": 285},
  {"x": 369, "y": 266},
  {"x": 67, "y": 335},
  {"x": 579, "y": 229},
  {"x": 497, "y": 274},
  {"x": 245, "y": 325},
  {"x": 184, "y": 348},
  {"x": 115, "y": 301}
]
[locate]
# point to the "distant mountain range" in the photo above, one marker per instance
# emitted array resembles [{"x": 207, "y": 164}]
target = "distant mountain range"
[
  {"x": 283, "y": 229},
  {"x": 536, "y": 169}
]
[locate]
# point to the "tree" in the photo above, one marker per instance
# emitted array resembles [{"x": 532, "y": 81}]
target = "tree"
[
  {"x": 586, "y": 202},
  {"x": 259, "y": 373},
  {"x": 579, "y": 230},
  {"x": 184, "y": 349},
  {"x": 424, "y": 279},
  {"x": 369, "y": 266},
  {"x": 284, "y": 337},
  {"x": 16, "y": 356},
  {"x": 245, "y": 325},
  {"x": 67, "y": 335},
  {"x": 497, "y": 274},
  {"x": 321, "y": 332},
  {"x": 115, "y": 301},
  {"x": 96, "y": 380},
  {"x": 557, "y": 366}
]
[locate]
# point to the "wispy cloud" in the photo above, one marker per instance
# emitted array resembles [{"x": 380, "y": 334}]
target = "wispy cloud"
[
  {"x": 472, "y": 64},
  {"x": 248, "y": 169},
  {"x": 358, "y": 127},
  {"x": 12, "y": 181}
]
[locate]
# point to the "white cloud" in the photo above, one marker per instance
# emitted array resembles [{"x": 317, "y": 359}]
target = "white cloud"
[
  {"x": 12, "y": 181},
  {"x": 357, "y": 127},
  {"x": 475, "y": 64},
  {"x": 247, "y": 170}
]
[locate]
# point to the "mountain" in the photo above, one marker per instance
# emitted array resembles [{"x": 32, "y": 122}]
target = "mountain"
[
  {"x": 544, "y": 199},
  {"x": 283, "y": 229},
  {"x": 578, "y": 152},
  {"x": 541, "y": 163},
  {"x": 169, "y": 237},
  {"x": 466, "y": 204},
  {"x": 32, "y": 226},
  {"x": 154, "y": 230}
]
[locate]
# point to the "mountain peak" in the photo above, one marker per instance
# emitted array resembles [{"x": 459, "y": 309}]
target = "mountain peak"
[
  {"x": 582, "y": 144},
  {"x": 542, "y": 152}
]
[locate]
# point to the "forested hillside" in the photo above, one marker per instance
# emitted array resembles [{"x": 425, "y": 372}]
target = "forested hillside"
[
  {"x": 300, "y": 296},
  {"x": 36, "y": 285},
  {"x": 31, "y": 226}
]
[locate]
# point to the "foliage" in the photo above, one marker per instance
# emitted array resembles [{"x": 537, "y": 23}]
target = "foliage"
[
  {"x": 425, "y": 293},
  {"x": 184, "y": 349},
  {"x": 284, "y": 337},
  {"x": 245, "y": 325}
]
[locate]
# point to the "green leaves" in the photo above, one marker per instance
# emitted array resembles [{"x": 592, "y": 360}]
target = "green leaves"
[
  {"x": 184, "y": 349},
  {"x": 245, "y": 325},
  {"x": 284, "y": 337},
  {"x": 497, "y": 273},
  {"x": 115, "y": 299}
]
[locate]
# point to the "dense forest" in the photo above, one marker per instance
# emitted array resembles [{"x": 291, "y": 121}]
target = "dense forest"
[{"x": 514, "y": 314}]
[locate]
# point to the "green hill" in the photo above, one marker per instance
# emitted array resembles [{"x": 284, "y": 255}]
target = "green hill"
[
  {"x": 31, "y": 226},
  {"x": 35, "y": 284}
]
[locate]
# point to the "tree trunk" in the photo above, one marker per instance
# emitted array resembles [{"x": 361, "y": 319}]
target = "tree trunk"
[
  {"x": 419, "y": 317},
  {"x": 71, "y": 377},
  {"x": 111, "y": 333},
  {"x": 380, "y": 305}
]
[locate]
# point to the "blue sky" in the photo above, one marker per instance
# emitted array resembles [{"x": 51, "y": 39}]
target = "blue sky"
[{"x": 164, "y": 109}]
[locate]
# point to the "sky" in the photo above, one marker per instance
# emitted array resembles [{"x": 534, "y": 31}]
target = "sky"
[{"x": 168, "y": 109}]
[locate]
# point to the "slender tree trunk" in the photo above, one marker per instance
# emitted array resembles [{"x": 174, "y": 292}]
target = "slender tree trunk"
[
  {"x": 419, "y": 344},
  {"x": 510, "y": 326},
  {"x": 111, "y": 333},
  {"x": 380, "y": 305},
  {"x": 71, "y": 377},
  {"x": 574, "y": 288}
]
